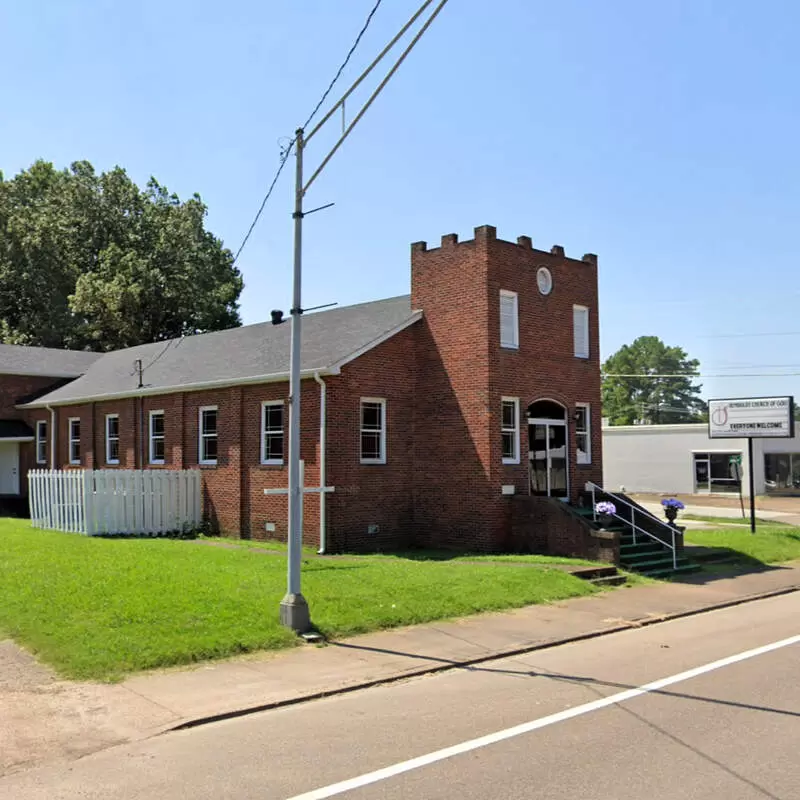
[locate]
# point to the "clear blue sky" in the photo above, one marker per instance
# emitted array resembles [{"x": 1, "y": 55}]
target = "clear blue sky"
[{"x": 662, "y": 136}]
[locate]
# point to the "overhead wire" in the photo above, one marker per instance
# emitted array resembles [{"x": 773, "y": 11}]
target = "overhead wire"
[{"x": 287, "y": 152}]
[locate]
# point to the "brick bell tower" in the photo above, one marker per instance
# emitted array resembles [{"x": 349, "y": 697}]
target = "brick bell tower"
[{"x": 508, "y": 333}]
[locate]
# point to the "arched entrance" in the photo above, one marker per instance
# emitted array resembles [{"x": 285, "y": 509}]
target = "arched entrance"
[{"x": 548, "y": 453}]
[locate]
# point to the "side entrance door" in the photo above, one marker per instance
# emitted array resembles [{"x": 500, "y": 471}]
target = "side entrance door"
[{"x": 9, "y": 468}]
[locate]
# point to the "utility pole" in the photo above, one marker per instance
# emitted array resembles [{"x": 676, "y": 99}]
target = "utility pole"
[{"x": 294, "y": 611}]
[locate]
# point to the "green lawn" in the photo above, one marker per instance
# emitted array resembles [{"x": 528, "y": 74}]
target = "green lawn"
[
  {"x": 771, "y": 544},
  {"x": 417, "y": 555},
  {"x": 101, "y": 608}
]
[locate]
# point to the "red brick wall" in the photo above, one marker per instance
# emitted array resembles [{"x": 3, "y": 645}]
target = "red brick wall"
[
  {"x": 373, "y": 494},
  {"x": 15, "y": 389},
  {"x": 452, "y": 450},
  {"x": 464, "y": 373},
  {"x": 544, "y": 366},
  {"x": 545, "y": 525},
  {"x": 258, "y": 509}
]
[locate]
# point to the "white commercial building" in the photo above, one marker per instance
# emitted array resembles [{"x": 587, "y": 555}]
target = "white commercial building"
[{"x": 682, "y": 459}]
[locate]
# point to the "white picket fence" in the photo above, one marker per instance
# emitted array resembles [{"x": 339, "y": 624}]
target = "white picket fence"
[{"x": 93, "y": 502}]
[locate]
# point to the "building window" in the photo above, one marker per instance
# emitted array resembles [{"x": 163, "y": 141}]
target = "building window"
[
  {"x": 112, "y": 438},
  {"x": 373, "y": 431},
  {"x": 272, "y": 432},
  {"x": 208, "y": 435},
  {"x": 580, "y": 325},
  {"x": 510, "y": 429},
  {"x": 509, "y": 320},
  {"x": 717, "y": 473},
  {"x": 583, "y": 430},
  {"x": 74, "y": 440},
  {"x": 41, "y": 442},
  {"x": 157, "y": 438},
  {"x": 782, "y": 473}
]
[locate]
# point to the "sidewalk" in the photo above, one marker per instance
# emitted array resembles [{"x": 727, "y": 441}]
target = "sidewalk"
[
  {"x": 52, "y": 720},
  {"x": 728, "y": 512}
]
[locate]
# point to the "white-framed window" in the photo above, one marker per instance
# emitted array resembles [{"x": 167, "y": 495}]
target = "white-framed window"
[
  {"x": 509, "y": 319},
  {"x": 112, "y": 438},
  {"x": 509, "y": 425},
  {"x": 583, "y": 433},
  {"x": 74, "y": 424},
  {"x": 580, "y": 327},
  {"x": 41, "y": 441},
  {"x": 272, "y": 432},
  {"x": 207, "y": 444},
  {"x": 373, "y": 430},
  {"x": 157, "y": 438}
]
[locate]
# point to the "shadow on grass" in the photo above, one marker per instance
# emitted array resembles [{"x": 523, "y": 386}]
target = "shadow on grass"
[
  {"x": 719, "y": 563},
  {"x": 425, "y": 555}
]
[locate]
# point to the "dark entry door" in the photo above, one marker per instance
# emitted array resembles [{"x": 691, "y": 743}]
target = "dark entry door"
[{"x": 548, "y": 458}]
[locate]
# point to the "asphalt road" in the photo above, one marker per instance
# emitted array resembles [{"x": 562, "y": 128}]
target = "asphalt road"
[{"x": 704, "y": 707}]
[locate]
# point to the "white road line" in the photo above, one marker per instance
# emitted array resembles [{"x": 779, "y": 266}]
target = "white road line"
[{"x": 534, "y": 725}]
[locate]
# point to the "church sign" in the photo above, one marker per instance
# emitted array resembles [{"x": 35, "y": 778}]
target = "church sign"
[{"x": 751, "y": 417}]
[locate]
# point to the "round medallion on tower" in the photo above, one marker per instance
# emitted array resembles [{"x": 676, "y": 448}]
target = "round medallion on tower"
[{"x": 544, "y": 280}]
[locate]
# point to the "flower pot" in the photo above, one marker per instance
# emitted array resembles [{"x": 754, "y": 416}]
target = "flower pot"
[
  {"x": 605, "y": 520},
  {"x": 671, "y": 514}
]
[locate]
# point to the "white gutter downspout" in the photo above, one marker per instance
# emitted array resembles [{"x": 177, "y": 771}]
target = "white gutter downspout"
[
  {"x": 322, "y": 432},
  {"x": 52, "y": 436}
]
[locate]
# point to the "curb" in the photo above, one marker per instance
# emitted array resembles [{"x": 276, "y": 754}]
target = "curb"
[{"x": 643, "y": 622}]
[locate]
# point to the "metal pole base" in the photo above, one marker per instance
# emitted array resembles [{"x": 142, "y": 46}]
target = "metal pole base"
[{"x": 295, "y": 614}]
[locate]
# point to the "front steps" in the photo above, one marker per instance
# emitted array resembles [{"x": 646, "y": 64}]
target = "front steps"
[
  {"x": 600, "y": 576},
  {"x": 645, "y": 556}
]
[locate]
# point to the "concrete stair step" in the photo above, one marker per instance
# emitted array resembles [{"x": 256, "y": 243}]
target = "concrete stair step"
[
  {"x": 593, "y": 573},
  {"x": 632, "y": 549},
  {"x": 654, "y": 563},
  {"x": 646, "y": 557},
  {"x": 681, "y": 569},
  {"x": 610, "y": 580}
]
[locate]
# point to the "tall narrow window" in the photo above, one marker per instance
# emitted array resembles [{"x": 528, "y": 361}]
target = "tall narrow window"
[
  {"x": 583, "y": 430},
  {"x": 509, "y": 320},
  {"x": 112, "y": 438},
  {"x": 373, "y": 431},
  {"x": 74, "y": 440},
  {"x": 509, "y": 425},
  {"x": 41, "y": 442},
  {"x": 580, "y": 325},
  {"x": 157, "y": 438},
  {"x": 207, "y": 445},
  {"x": 272, "y": 432}
]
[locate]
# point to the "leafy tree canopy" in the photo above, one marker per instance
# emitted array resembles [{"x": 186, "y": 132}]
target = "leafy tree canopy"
[
  {"x": 630, "y": 395},
  {"x": 93, "y": 262}
]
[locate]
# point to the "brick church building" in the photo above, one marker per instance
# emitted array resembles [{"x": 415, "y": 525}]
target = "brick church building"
[{"x": 451, "y": 417}]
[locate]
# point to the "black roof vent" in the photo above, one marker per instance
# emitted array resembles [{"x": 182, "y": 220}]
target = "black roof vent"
[{"x": 277, "y": 316}]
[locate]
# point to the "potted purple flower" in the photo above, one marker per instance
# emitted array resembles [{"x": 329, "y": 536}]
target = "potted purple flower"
[
  {"x": 605, "y": 511},
  {"x": 671, "y": 508}
]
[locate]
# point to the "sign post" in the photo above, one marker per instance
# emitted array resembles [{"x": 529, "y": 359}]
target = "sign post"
[
  {"x": 751, "y": 418},
  {"x": 736, "y": 463}
]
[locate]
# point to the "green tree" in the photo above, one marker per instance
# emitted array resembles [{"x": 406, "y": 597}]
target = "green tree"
[
  {"x": 630, "y": 394},
  {"x": 92, "y": 261}
]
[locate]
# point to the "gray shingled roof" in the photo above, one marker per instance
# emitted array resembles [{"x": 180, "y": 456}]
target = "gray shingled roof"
[
  {"x": 18, "y": 360},
  {"x": 240, "y": 354}
]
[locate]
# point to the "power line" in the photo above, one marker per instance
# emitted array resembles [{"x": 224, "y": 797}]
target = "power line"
[
  {"x": 253, "y": 224},
  {"x": 757, "y": 366},
  {"x": 285, "y": 155},
  {"x": 701, "y": 375},
  {"x": 344, "y": 63},
  {"x": 747, "y": 335}
]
